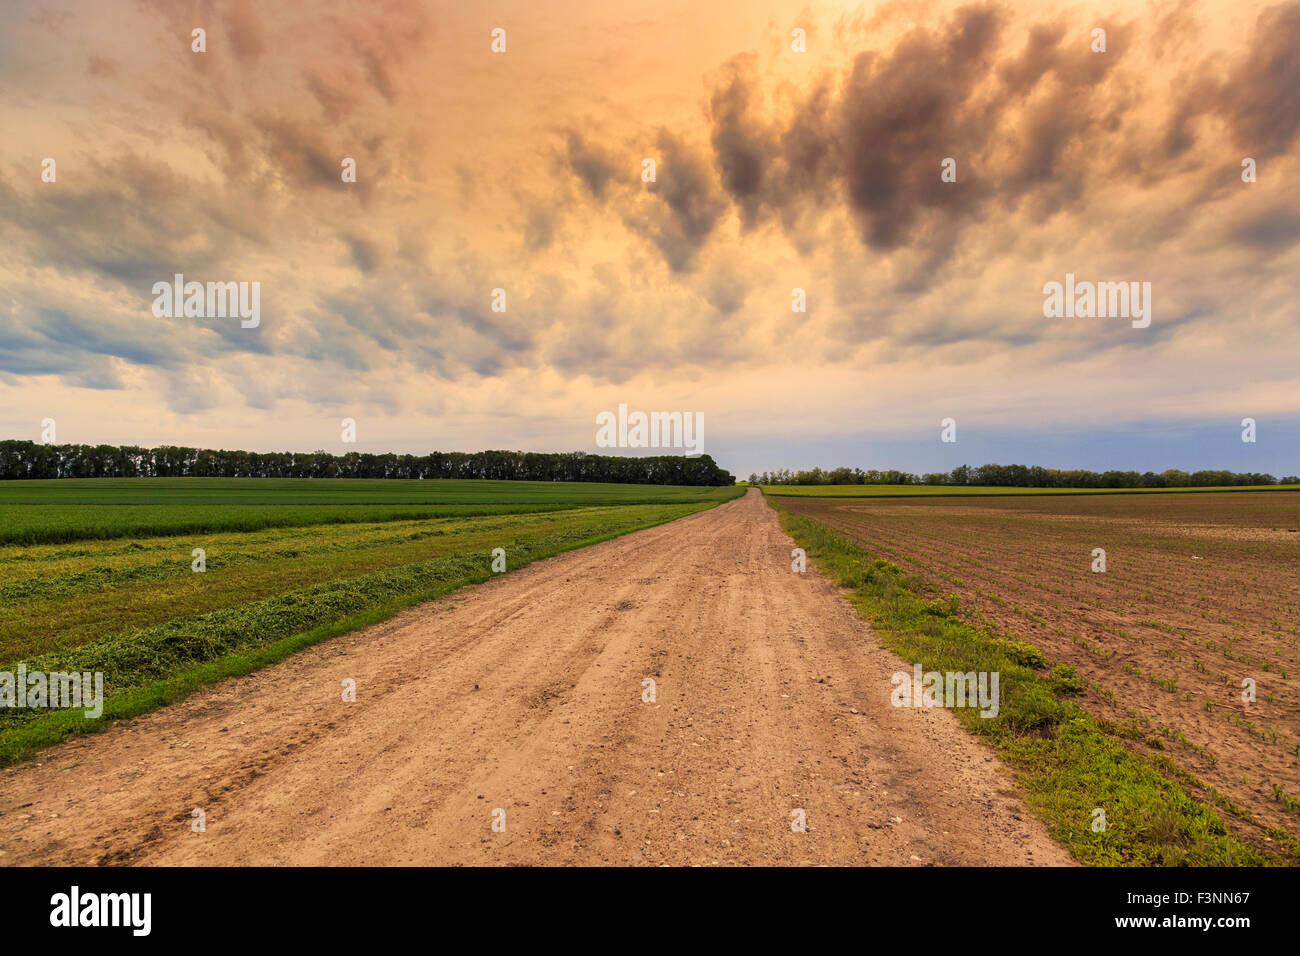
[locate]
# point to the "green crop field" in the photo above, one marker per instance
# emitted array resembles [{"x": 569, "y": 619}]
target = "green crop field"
[
  {"x": 71, "y": 509},
  {"x": 897, "y": 491},
  {"x": 97, "y": 574}
]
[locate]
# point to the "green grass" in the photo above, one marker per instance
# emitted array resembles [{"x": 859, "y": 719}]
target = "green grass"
[
  {"x": 134, "y": 609},
  {"x": 1066, "y": 763},
  {"x": 921, "y": 491},
  {"x": 76, "y": 509},
  {"x": 58, "y": 596}
]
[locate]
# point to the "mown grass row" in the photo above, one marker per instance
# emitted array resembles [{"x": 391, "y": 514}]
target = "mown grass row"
[
  {"x": 69, "y": 572},
  {"x": 63, "y": 524},
  {"x": 71, "y": 595},
  {"x": 1067, "y": 764},
  {"x": 147, "y": 667}
]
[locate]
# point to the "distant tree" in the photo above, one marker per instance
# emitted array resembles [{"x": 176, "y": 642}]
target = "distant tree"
[
  {"x": 25, "y": 459},
  {"x": 1022, "y": 476}
]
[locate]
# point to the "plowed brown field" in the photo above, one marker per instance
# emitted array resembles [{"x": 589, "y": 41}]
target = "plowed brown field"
[{"x": 1200, "y": 592}]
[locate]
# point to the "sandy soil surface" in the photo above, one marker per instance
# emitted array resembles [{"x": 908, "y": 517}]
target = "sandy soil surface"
[{"x": 525, "y": 695}]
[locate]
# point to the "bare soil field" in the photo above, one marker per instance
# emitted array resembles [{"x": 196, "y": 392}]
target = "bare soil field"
[
  {"x": 525, "y": 694},
  {"x": 1199, "y": 593}
]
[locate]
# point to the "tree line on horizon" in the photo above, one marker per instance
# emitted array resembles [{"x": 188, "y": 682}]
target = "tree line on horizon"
[
  {"x": 1022, "y": 476},
  {"x": 26, "y": 459}
]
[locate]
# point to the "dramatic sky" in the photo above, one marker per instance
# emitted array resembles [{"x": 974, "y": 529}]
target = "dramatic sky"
[{"x": 775, "y": 170}]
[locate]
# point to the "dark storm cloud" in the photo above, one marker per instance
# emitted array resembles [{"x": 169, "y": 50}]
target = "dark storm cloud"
[
  {"x": 684, "y": 204},
  {"x": 137, "y": 343},
  {"x": 1260, "y": 100},
  {"x": 590, "y": 162},
  {"x": 540, "y": 225},
  {"x": 676, "y": 213},
  {"x": 1249, "y": 101},
  {"x": 1273, "y": 230},
  {"x": 875, "y": 138},
  {"x": 900, "y": 115},
  {"x": 379, "y": 73},
  {"x": 365, "y": 253},
  {"x": 726, "y": 290},
  {"x": 742, "y": 147},
  {"x": 56, "y": 340},
  {"x": 102, "y": 378},
  {"x": 100, "y": 66},
  {"x": 347, "y": 326},
  {"x": 497, "y": 327},
  {"x": 136, "y": 222},
  {"x": 305, "y": 153},
  {"x": 337, "y": 98},
  {"x": 244, "y": 29}
]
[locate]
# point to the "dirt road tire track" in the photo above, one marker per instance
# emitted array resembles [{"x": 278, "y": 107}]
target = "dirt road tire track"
[{"x": 524, "y": 693}]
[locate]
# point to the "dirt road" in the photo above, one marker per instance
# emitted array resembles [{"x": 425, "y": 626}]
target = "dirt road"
[{"x": 525, "y": 695}]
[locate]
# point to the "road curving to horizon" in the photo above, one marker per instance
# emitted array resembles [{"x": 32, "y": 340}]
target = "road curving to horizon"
[{"x": 524, "y": 695}]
